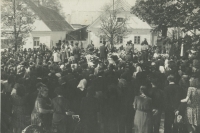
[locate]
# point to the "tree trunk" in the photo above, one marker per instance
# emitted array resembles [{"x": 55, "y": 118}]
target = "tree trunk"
[
  {"x": 111, "y": 40},
  {"x": 15, "y": 36},
  {"x": 15, "y": 43},
  {"x": 164, "y": 31}
]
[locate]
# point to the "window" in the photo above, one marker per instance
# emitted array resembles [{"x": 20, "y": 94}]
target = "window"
[
  {"x": 137, "y": 39},
  {"x": 119, "y": 39},
  {"x": 102, "y": 38},
  {"x": 6, "y": 42},
  {"x": 10, "y": 19},
  {"x": 120, "y": 19},
  {"x": 36, "y": 41}
]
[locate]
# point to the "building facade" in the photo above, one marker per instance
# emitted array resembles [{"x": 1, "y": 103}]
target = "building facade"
[
  {"x": 50, "y": 28},
  {"x": 138, "y": 29}
]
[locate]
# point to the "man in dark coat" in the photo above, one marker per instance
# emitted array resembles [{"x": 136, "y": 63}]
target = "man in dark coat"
[
  {"x": 128, "y": 51},
  {"x": 157, "y": 102},
  {"x": 76, "y": 52},
  {"x": 173, "y": 96},
  {"x": 103, "y": 52}
]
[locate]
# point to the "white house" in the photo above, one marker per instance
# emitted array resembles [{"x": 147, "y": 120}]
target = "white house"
[
  {"x": 139, "y": 29},
  {"x": 50, "y": 27}
]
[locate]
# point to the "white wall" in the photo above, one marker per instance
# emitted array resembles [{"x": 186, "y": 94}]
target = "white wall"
[
  {"x": 40, "y": 26},
  {"x": 137, "y": 27},
  {"x": 94, "y": 36},
  {"x": 56, "y": 36},
  {"x": 48, "y": 37}
]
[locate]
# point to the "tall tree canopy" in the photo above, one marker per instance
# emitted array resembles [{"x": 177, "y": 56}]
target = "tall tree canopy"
[
  {"x": 169, "y": 13},
  {"x": 53, "y": 4}
]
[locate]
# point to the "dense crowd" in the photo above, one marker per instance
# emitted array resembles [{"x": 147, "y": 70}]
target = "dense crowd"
[{"x": 69, "y": 89}]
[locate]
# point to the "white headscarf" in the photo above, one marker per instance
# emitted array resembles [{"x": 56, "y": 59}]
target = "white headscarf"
[
  {"x": 162, "y": 69},
  {"x": 82, "y": 84},
  {"x": 138, "y": 69}
]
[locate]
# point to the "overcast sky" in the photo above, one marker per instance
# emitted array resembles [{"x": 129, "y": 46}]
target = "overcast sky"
[{"x": 86, "y": 5}]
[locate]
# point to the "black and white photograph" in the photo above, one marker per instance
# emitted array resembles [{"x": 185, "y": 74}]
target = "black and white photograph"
[{"x": 100, "y": 66}]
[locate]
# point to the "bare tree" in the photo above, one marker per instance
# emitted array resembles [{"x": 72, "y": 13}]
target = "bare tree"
[
  {"x": 16, "y": 21},
  {"x": 113, "y": 26}
]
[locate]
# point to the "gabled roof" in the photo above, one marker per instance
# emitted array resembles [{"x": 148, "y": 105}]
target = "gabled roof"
[
  {"x": 50, "y": 17},
  {"x": 83, "y": 17},
  {"x": 136, "y": 23},
  {"x": 121, "y": 4}
]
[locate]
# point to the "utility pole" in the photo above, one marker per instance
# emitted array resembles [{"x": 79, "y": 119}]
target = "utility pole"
[
  {"x": 14, "y": 17},
  {"x": 113, "y": 5}
]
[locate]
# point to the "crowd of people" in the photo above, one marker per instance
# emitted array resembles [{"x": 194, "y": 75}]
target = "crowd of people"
[{"x": 69, "y": 89}]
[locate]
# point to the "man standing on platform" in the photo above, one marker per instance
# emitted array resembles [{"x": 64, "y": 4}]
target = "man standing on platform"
[
  {"x": 128, "y": 51},
  {"x": 103, "y": 52},
  {"x": 76, "y": 52},
  {"x": 144, "y": 49}
]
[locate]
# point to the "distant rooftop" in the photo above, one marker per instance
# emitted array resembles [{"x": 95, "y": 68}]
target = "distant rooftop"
[
  {"x": 83, "y": 17},
  {"x": 50, "y": 17},
  {"x": 88, "y": 17},
  {"x": 121, "y": 4}
]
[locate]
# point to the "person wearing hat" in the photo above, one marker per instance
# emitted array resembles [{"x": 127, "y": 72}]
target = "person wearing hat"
[
  {"x": 76, "y": 52},
  {"x": 172, "y": 94},
  {"x": 103, "y": 52},
  {"x": 144, "y": 49},
  {"x": 63, "y": 53},
  {"x": 133, "y": 46},
  {"x": 128, "y": 51},
  {"x": 41, "y": 114}
]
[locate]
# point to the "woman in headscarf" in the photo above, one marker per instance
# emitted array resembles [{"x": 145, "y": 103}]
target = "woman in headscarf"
[
  {"x": 138, "y": 69},
  {"x": 41, "y": 114}
]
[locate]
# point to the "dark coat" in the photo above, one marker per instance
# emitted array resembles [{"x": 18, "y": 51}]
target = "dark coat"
[
  {"x": 173, "y": 96},
  {"x": 88, "y": 115},
  {"x": 103, "y": 52}
]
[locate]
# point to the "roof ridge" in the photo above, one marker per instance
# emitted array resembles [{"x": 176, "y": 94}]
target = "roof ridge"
[
  {"x": 103, "y": 12},
  {"x": 50, "y": 17}
]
